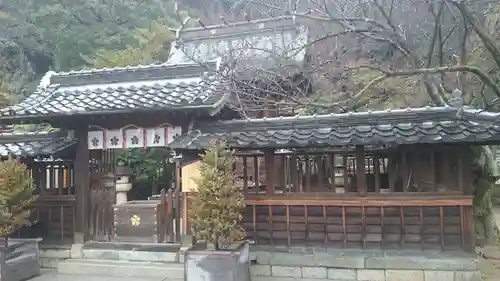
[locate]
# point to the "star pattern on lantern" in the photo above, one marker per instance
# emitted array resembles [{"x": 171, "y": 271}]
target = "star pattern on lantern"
[{"x": 132, "y": 137}]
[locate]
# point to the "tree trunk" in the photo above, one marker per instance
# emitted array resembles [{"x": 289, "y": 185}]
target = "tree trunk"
[{"x": 484, "y": 221}]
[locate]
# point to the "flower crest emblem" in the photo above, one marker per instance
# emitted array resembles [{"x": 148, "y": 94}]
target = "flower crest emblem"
[{"x": 135, "y": 220}]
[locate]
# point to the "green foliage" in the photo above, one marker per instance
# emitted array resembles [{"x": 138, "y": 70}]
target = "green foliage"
[
  {"x": 152, "y": 44},
  {"x": 16, "y": 196},
  {"x": 218, "y": 205},
  {"x": 146, "y": 163},
  {"x": 40, "y": 35}
]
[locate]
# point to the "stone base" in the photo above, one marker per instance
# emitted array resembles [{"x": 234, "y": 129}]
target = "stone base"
[
  {"x": 20, "y": 260},
  {"x": 50, "y": 257},
  {"x": 307, "y": 264},
  {"x": 140, "y": 252}
]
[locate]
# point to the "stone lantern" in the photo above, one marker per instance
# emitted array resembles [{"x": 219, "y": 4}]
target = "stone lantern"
[
  {"x": 108, "y": 181},
  {"x": 123, "y": 184}
]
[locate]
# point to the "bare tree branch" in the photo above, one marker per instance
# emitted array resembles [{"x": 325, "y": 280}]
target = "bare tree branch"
[
  {"x": 445, "y": 69},
  {"x": 437, "y": 42}
]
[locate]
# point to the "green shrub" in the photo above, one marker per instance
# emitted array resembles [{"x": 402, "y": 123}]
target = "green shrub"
[
  {"x": 217, "y": 207},
  {"x": 16, "y": 196}
]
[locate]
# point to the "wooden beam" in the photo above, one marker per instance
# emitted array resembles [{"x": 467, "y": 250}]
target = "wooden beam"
[
  {"x": 177, "y": 198},
  {"x": 466, "y": 164},
  {"x": 270, "y": 164},
  {"x": 345, "y": 162},
  {"x": 82, "y": 187},
  {"x": 376, "y": 171},
  {"x": 354, "y": 201},
  {"x": 469, "y": 239},
  {"x": 307, "y": 168},
  {"x": 295, "y": 174},
  {"x": 360, "y": 170},
  {"x": 256, "y": 173},
  {"x": 405, "y": 171},
  {"x": 433, "y": 170},
  {"x": 245, "y": 174},
  {"x": 460, "y": 175},
  {"x": 282, "y": 173}
]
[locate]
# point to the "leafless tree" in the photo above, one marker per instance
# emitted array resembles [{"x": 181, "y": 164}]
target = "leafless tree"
[{"x": 367, "y": 53}]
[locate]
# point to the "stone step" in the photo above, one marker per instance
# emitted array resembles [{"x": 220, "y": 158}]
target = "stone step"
[
  {"x": 172, "y": 271},
  {"x": 130, "y": 255}
]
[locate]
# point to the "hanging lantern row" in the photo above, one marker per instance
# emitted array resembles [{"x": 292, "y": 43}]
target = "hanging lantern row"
[{"x": 132, "y": 138}]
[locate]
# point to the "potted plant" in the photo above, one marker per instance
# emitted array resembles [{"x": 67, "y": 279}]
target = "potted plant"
[
  {"x": 19, "y": 258},
  {"x": 215, "y": 215}
]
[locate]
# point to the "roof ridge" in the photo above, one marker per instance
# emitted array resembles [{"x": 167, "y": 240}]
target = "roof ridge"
[
  {"x": 379, "y": 117},
  {"x": 240, "y": 23},
  {"x": 361, "y": 113},
  {"x": 384, "y": 128},
  {"x": 124, "y": 68},
  {"x": 209, "y": 80}
]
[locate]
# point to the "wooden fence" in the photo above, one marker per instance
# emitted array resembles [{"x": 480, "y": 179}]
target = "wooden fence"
[
  {"x": 53, "y": 217},
  {"x": 404, "y": 198},
  {"x": 170, "y": 217},
  {"x": 369, "y": 222},
  {"x": 101, "y": 200}
]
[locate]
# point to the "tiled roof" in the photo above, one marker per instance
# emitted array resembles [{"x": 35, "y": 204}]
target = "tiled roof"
[
  {"x": 377, "y": 128},
  {"x": 180, "y": 83},
  {"x": 34, "y": 142},
  {"x": 280, "y": 36},
  {"x": 124, "y": 89}
]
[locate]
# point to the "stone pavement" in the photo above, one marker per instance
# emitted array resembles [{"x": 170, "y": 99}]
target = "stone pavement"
[{"x": 53, "y": 276}]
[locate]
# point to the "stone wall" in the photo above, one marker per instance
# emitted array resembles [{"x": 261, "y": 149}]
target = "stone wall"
[
  {"x": 363, "y": 266},
  {"x": 307, "y": 264},
  {"x": 50, "y": 258}
]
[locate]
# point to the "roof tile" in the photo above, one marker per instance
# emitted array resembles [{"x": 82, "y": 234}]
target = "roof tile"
[
  {"x": 204, "y": 93},
  {"x": 378, "y": 128},
  {"x": 37, "y": 142}
]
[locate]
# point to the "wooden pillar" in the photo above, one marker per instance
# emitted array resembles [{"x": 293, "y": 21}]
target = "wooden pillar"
[
  {"x": 185, "y": 215},
  {"x": 465, "y": 161},
  {"x": 177, "y": 198},
  {"x": 294, "y": 174},
  {"x": 468, "y": 235},
  {"x": 465, "y": 177},
  {"x": 360, "y": 170},
  {"x": 270, "y": 164},
  {"x": 82, "y": 187}
]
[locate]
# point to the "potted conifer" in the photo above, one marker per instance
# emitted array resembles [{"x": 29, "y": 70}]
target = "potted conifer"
[
  {"x": 215, "y": 214},
  {"x": 19, "y": 258}
]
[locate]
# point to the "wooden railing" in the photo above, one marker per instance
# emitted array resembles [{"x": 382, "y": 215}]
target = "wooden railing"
[
  {"x": 55, "y": 219},
  {"x": 53, "y": 215},
  {"x": 419, "y": 170},
  {"x": 371, "y": 222}
]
